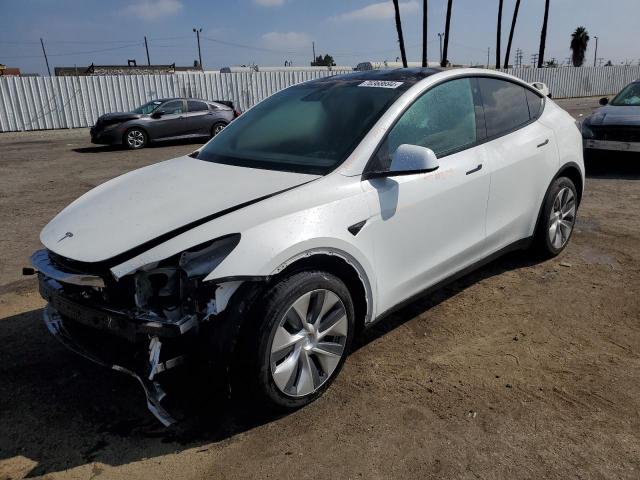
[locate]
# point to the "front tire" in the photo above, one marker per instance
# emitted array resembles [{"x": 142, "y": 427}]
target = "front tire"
[
  {"x": 217, "y": 128},
  {"x": 558, "y": 218},
  {"x": 298, "y": 340},
  {"x": 135, "y": 138}
]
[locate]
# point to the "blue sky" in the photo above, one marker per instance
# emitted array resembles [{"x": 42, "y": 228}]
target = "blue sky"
[{"x": 268, "y": 32}]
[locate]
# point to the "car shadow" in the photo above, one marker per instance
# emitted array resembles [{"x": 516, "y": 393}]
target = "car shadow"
[
  {"x": 613, "y": 165},
  {"x": 49, "y": 394}
]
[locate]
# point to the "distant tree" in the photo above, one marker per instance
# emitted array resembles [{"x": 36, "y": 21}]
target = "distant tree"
[
  {"x": 609, "y": 63},
  {"x": 553, "y": 63},
  {"x": 326, "y": 61},
  {"x": 403, "y": 54},
  {"x": 447, "y": 25},
  {"x": 543, "y": 34},
  {"x": 513, "y": 27},
  {"x": 579, "y": 41},
  {"x": 498, "y": 33}
]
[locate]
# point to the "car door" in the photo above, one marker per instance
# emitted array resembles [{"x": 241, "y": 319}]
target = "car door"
[
  {"x": 428, "y": 226},
  {"x": 521, "y": 153},
  {"x": 169, "y": 120},
  {"x": 199, "y": 118}
]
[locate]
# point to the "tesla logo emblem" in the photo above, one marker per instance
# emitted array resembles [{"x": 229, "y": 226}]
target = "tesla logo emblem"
[{"x": 66, "y": 235}]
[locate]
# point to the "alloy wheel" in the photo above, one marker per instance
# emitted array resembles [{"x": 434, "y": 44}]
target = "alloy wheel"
[
  {"x": 562, "y": 218},
  {"x": 309, "y": 343},
  {"x": 135, "y": 138},
  {"x": 217, "y": 129}
]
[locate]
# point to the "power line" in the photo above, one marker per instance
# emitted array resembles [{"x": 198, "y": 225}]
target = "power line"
[{"x": 78, "y": 53}]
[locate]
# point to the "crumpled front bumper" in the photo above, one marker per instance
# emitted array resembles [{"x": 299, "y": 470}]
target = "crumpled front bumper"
[{"x": 154, "y": 393}]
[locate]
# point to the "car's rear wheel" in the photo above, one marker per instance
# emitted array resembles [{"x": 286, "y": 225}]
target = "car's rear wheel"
[
  {"x": 135, "y": 138},
  {"x": 299, "y": 340},
  {"x": 558, "y": 218},
  {"x": 217, "y": 128}
]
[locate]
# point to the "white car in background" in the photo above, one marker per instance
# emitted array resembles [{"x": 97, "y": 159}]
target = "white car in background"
[{"x": 311, "y": 216}]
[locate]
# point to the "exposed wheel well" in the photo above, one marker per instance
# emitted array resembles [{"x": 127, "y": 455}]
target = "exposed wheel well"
[
  {"x": 573, "y": 174},
  {"x": 340, "y": 268}
]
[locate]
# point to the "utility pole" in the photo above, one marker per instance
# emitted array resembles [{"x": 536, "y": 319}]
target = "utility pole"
[
  {"x": 534, "y": 59},
  {"x": 313, "y": 46},
  {"x": 600, "y": 61},
  {"x": 488, "y": 55},
  {"x": 197, "y": 31},
  {"x": 595, "y": 54},
  {"x": 45, "y": 57},
  {"x": 146, "y": 46},
  {"x": 440, "y": 35},
  {"x": 424, "y": 33}
]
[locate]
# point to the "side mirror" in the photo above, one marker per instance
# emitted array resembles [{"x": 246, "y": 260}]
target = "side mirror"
[
  {"x": 158, "y": 114},
  {"x": 409, "y": 160},
  {"x": 604, "y": 101}
]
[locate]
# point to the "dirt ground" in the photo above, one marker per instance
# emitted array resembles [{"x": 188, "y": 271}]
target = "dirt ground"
[{"x": 521, "y": 370}]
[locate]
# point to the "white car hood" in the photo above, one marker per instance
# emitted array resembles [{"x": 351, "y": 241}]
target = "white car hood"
[{"x": 144, "y": 204}]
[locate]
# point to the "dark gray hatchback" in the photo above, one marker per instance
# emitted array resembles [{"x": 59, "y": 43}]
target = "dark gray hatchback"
[{"x": 163, "y": 119}]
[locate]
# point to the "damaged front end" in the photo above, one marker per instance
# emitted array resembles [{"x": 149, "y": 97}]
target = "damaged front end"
[{"x": 142, "y": 324}]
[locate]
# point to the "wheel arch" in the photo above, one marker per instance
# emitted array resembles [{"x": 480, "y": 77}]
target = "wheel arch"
[
  {"x": 572, "y": 171},
  {"x": 343, "y": 266}
]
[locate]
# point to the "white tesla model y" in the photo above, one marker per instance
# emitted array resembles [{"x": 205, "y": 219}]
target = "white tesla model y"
[{"x": 311, "y": 216}]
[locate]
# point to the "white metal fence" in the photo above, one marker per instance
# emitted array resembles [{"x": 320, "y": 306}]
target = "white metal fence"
[{"x": 38, "y": 103}]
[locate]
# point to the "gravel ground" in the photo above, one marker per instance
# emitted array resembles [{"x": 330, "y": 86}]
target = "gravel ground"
[{"x": 519, "y": 370}]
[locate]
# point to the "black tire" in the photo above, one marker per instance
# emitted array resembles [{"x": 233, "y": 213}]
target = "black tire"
[
  {"x": 135, "y": 138},
  {"x": 543, "y": 243},
  {"x": 252, "y": 379},
  {"x": 217, "y": 128}
]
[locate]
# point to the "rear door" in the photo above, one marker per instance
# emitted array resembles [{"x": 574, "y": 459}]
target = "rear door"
[
  {"x": 521, "y": 152},
  {"x": 200, "y": 118},
  {"x": 173, "y": 121}
]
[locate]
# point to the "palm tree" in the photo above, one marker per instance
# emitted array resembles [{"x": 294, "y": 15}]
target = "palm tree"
[
  {"x": 579, "y": 41},
  {"x": 444, "y": 61},
  {"x": 399, "y": 29},
  {"x": 543, "y": 34},
  {"x": 424, "y": 33},
  {"x": 499, "y": 34},
  {"x": 513, "y": 27}
]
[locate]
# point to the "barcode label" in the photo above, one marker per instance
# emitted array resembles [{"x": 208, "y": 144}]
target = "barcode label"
[{"x": 380, "y": 84}]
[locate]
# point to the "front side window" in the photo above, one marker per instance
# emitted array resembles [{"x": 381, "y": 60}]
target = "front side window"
[
  {"x": 307, "y": 128},
  {"x": 505, "y": 105},
  {"x": 196, "y": 106},
  {"x": 443, "y": 119},
  {"x": 629, "y": 96},
  {"x": 172, "y": 107}
]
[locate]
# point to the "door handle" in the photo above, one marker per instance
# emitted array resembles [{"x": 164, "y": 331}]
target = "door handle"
[
  {"x": 543, "y": 143},
  {"x": 474, "y": 170}
]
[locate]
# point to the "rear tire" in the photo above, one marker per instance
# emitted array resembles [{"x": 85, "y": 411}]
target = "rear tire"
[
  {"x": 135, "y": 138},
  {"x": 557, "y": 219},
  {"x": 296, "y": 343}
]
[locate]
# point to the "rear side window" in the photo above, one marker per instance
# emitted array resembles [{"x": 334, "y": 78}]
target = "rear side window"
[
  {"x": 535, "y": 104},
  {"x": 505, "y": 106},
  {"x": 196, "y": 106}
]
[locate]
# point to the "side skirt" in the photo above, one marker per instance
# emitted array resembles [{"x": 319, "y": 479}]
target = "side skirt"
[{"x": 518, "y": 245}]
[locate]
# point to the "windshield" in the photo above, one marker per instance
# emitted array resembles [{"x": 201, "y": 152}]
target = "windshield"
[
  {"x": 148, "y": 107},
  {"x": 308, "y": 128},
  {"x": 629, "y": 96}
]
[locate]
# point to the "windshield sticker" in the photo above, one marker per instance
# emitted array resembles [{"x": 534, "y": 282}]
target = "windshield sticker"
[{"x": 380, "y": 84}]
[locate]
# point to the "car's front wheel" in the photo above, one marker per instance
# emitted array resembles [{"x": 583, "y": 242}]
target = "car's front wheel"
[
  {"x": 135, "y": 138},
  {"x": 299, "y": 339},
  {"x": 217, "y": 128},
  {"x": 558, "y": 217}
]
